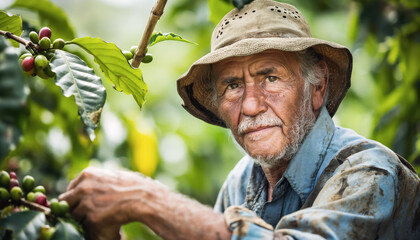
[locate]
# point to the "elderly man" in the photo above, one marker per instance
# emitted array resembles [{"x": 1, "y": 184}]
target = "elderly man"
[{"x": 276, "y": 88}]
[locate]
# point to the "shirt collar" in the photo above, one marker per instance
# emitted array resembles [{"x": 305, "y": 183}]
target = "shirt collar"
[{"x": 303, "y": 168}]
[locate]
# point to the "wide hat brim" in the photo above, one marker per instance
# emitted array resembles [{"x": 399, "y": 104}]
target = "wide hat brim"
[{"x": 196, "y": 89}]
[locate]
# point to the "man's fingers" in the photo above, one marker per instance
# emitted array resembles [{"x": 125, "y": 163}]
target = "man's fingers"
[
  {"x": 74, "y": 183},
  {"x": 80, "y": 212},
  {"x": 71, "y": 197},
  {"x": 85, "y": 174}
]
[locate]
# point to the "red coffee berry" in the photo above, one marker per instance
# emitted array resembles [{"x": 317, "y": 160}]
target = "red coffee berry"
[
  {"x": 41, "y": 200},
  {"x": 44, "y": 32},
  {"x": 13, "y": 175},
  {"x": 28, "y": 64},
  {"x": 13, "y": 183}
]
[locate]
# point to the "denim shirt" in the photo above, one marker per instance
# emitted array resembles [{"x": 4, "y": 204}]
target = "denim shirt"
[{"x": 363, "y": 198}]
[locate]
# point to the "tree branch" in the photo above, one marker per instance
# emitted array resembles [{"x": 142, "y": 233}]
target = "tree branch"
[
  {"x": 35, "y": 206},
  {"x": 28, "y": 44},
  {"x": 155, "y": 14}
]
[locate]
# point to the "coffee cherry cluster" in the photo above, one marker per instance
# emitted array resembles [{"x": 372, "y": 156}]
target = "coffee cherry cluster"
[
  {"x": 37, "y": 62},
  {"x": 13, "y": 195},
  {"x": 130, "y": 54},
  {"x": 16, "y": 197}
]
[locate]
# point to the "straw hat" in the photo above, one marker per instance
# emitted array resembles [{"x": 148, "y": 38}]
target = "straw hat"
[{"x": 259, "y": 26}]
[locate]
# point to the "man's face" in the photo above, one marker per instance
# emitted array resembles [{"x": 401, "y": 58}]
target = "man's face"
[{"x": 260, "y": 98}]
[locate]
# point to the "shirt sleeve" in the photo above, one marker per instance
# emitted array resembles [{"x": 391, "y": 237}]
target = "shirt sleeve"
[
  {"x": 246, "y": 225},
  {"x": 357, "y": 202}
]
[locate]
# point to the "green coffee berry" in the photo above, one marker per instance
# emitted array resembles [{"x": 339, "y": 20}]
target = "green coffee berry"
[
  {"x": 45, "y": 43},
  {"x": 49, "y": 72},
  {"x": 148, "y": 58},
  {"x": 4, "y": 194},
  {"x": 37, "y": 194},
  {"x": 41, "y": 73},
  {"x": 28, "y": 183},
  {"x": 128, "y": 55},
  {"x": 33, "y": 36},
  {"x": 58, "y": 43},
  {"x": 64, "y": 206},
  {"x": 55, "y": 207},
  {"x": 40, "y": 189},
  {"x": 31, "y": 196},
  {"x": 4, "y": 179},
  {"x": 46, "y": 233},
  {"x": 49, "y": 55},
  {"x": 133, "y": 49},
  {"x": 41, "y": 62},
  {"x": 16, "y": 193}
]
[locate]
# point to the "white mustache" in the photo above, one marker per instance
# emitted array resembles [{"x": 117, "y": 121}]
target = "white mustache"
[{"x": 257, "y": 122}]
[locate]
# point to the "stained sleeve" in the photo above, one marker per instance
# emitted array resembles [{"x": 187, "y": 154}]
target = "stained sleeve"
[
  {"x": 357, "y": 203},
  {"x": 246, "y": 225}
]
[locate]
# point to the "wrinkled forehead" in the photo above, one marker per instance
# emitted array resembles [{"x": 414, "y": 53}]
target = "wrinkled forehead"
[{"x": 268, "y": 59}]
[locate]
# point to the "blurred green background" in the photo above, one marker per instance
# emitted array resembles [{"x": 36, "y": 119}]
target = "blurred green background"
[{"x": 164, "y": 141}]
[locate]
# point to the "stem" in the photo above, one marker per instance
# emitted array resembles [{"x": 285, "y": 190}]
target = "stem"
[
  {"x": 155, "y": 14},
  {"x": 28, "y": 44},
  {"x": 35, "y": 206}
]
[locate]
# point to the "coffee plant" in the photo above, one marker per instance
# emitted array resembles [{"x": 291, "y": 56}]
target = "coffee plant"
[
  {"x": 26, "y": 212},
  {"x": 76, "y": 65},
  {"x": 74, "y": 76}
]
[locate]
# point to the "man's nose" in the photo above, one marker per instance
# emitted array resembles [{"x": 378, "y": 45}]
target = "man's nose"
[{"x": 254, "y": 100}]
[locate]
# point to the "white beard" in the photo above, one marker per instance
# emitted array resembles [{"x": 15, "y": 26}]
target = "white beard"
[{"x": 305, "y": 121}]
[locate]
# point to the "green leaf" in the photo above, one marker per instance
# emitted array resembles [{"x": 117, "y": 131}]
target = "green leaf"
[
  {"x": 50, "y": 15},
  {"x": 12, "y": 98},
  {"x": 395, "y": 48},
  {"x": 66, "y": 231},
  {"x": 24, "y": 225},
  {"x": 11, "y": 24},
  {"x": 218, "y": 9},
  {"x": 115, "y": 67},
  {"x": 76, "y": 78},
  {"x": 354, "y": 24},
  {"x": 160, "y": 37}
]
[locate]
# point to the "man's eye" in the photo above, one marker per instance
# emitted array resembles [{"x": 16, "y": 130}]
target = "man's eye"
[
  {"x": 232, "y": 86},
  {"x": 271, "y": 78}
]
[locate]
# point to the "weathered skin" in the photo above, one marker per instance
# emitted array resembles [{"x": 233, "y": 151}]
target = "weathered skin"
[{"x": 103, "y": 200}]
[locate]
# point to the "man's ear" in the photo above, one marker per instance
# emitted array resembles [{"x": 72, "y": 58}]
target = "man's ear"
[{"x": 320, "y": 91}]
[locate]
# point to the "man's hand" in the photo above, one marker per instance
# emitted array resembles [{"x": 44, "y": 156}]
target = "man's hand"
[{"x": 103, "y": 200}]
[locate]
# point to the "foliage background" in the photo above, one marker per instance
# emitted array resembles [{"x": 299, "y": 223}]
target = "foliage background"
[{"x": 188, "y": 155}]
